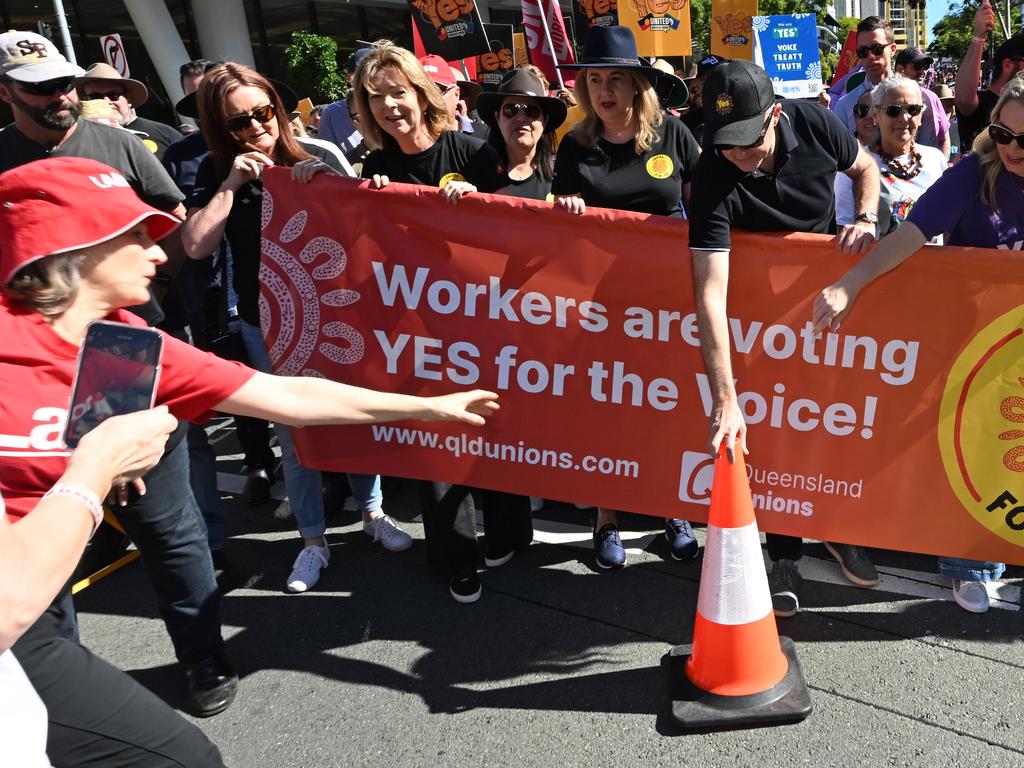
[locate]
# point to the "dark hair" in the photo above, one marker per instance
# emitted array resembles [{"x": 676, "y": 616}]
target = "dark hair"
[
  {"x": 543, "y": 158},
  {"x": 193, "y": 68},
  {"x": 213, "y": 116},
  {"x": 1012, "y": 48},
  {"x": 871, "y": 23}
]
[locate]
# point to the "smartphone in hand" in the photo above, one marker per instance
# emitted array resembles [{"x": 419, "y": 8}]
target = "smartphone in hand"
[{"x": 118, "y": 372}]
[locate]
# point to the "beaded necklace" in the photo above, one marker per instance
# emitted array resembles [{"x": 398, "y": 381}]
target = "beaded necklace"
[{"x": 899, "y": 170}]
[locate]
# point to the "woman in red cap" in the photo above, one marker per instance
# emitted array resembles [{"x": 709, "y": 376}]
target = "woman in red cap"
[
  {"x": 77, "y": 245},
  {"x": 628, "y": 154}
]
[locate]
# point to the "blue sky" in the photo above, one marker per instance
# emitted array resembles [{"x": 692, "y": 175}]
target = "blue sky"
[{"x": 936, "y": 10}]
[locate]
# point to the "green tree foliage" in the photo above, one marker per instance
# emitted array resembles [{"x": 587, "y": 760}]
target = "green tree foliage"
[
  {"x": 951, "y": 36},
  {"x": 313, "y": 67}
]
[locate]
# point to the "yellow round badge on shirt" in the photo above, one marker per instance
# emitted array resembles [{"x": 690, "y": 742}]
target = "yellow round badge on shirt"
[
  {"x": 450, "y": 177},
  {"x": 151, "y": 145},
  {"x": 660, "y": 166}
]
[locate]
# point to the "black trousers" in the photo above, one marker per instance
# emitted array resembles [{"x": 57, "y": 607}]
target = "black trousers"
[
  {"x": 783, "y": 547},
  {"x": 98, "y": 716}
]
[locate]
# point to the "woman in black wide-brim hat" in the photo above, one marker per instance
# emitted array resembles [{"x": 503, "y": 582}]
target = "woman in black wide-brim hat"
[
  {"x": 628, "y": 154},
  {"x": 523, "y": 119}
]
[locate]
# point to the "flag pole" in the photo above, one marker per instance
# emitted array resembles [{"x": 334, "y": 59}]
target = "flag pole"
[{"x": 547, "y": 36}]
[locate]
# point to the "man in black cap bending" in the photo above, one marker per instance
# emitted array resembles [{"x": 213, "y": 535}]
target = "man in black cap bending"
[{"x": 767, "y": 166}]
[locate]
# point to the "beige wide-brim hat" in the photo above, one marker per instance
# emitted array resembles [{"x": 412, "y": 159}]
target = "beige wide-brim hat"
[{"x": 137, "y": 92}]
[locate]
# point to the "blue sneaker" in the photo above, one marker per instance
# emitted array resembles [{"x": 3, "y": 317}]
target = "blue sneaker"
[
  {"x": 681, "y": 540},
  {"x": 608, "y": 547}
]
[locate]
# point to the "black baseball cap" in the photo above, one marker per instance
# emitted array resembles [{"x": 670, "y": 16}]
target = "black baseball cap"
[
  {"x": 913, "y": 56},
  {"x": 736, "y": 95},
  {"x": 708, "y": 63}
]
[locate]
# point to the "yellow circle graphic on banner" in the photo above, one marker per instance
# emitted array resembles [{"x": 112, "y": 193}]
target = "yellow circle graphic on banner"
[
  {"x": 981, "y": 427},
  {"x": 450, "y": 177},
  {"x": 660, "y": 166}
]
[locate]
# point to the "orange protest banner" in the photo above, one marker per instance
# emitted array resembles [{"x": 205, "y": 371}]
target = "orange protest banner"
[
  {"x": 661, "y": 27},
  {"x": 732, "y": 35},
  {"x": 902, "y": 430}
]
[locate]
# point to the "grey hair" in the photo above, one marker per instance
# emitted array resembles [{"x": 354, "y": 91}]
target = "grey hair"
[
  {"x": 48, "y": 285},
  {"x": 894, "y": 83}
]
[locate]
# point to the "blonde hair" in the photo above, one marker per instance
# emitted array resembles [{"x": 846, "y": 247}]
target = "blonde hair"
[
  {"x": 386, "y": 54},
  {"x": 646, "y": 112},
  {"x": 48, "y": 285},
  {"x": 985, "y": 148}
]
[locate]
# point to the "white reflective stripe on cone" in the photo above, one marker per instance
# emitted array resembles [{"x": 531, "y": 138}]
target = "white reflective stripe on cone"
[{"x": 733, "y": 582}]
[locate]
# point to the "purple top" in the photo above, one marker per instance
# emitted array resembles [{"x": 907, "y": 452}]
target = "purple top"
[{"x": 955, "y": 199}]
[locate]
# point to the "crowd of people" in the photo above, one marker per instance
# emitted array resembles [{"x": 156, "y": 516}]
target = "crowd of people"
[{"x": 887, "y": 166}]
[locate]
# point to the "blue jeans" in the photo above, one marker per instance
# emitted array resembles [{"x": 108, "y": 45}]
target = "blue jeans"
[
  {"x": 970, "y": 570},
  {"x": 304, "y": 485},
  {"x": 203, "y": 474}
]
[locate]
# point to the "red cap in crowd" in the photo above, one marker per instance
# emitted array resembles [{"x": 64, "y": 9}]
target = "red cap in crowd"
[
  {"x": 437, "y": 69},
  {"x": 63, "y": 204}
]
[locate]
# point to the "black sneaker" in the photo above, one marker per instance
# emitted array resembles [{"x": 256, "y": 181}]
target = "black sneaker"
[
  {"x": 210, "y": 685},
  {"x": 257, "y": 487},
  {"x": 854, "y": 563},
  {"x": 465, "y": 588},
  {"x": 785, "y": 584},
  {"x": 681, "y": 540}
]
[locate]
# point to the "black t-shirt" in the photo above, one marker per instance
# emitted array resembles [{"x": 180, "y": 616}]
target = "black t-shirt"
[
  {"x": 971, "y": 125},
  {"x": 243, "y": 228},
  {"x": 812, "y": 145},
  {"x": 533, "y": 187},
  {"x": 615, "y": 176},
  {"x": 453, "y": 157},
  {"x": 159, "y": 136}
]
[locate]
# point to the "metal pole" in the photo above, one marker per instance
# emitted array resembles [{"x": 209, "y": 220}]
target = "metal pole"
[
  {"x": 547, "y": 36},
  {"x": 65, "y": 35}
]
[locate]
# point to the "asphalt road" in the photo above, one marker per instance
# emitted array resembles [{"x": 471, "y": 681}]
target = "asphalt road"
[{"x": 562, "y": 665}]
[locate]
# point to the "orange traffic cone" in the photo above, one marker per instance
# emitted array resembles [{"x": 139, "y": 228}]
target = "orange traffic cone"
[{"x": 738, "y": 672}]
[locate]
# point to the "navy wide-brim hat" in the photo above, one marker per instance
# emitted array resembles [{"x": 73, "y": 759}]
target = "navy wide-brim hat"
[
  {"x": 521, "y": 82},
  {"x": 187, "y": 106},
  {"x": 612, "y": 48}
]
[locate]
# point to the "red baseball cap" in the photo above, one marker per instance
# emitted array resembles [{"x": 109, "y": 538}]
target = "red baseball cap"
[
  {"x": 437, "y": 69},
  {"x": 63, "y": 204}
]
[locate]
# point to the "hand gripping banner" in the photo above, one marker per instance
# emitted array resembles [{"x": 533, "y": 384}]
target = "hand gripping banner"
[{"x": 902, "y": 430}]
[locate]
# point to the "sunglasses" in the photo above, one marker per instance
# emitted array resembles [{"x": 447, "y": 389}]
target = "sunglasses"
[
  {"x": 263, "y": 114},
  {"x": 876, "y": 48},
  {"x": 861, "y": 110},
  {"x": 895, "y": 110},
  {"x": 756, "y": 144},
  {"x": 1003, "y": 136},
  {"x": 47, "y": 87},
  {"x": 532, "y": 111},
  {"x": 109, "y": 95}
]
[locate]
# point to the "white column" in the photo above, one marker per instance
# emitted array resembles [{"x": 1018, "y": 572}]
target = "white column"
[
  {"x": 162, "y": 41},
  {"x": 223, "y": 30}
]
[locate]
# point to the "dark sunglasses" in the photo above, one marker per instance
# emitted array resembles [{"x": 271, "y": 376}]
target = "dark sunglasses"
[
  {"x": 861, "y": 110},
  {"x": 894, "y": 110},
  {"x": 1003, "y": 136},
  {"x": 263, "y": 114},
  {"x": 757, "y": 143},
  {"x": 876, "y": 48},
  {"x": 47, "y": 87},
  {"x": 532, "y": 111},
  {"x": 111, "y": 95}
]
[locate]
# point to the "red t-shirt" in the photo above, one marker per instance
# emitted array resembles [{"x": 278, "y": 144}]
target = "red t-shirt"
[{"x": 37, "y": 369}]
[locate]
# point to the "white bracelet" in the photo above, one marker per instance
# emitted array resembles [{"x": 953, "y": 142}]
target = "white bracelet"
[
  {"x": 82, "y": 494},
  {"x": 978, "y": 39}
]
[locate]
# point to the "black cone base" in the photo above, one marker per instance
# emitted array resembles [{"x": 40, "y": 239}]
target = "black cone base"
[{"x": 694, "y": 709}]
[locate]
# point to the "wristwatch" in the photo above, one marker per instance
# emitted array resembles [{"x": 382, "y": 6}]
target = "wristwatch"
[{"x": 869, "y": 216}]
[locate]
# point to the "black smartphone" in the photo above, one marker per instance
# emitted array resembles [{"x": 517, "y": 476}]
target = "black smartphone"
[{"x": 118, "y": 372}]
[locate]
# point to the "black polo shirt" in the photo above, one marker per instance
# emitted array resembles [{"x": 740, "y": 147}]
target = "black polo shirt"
[{"x": 812, "y": 146}]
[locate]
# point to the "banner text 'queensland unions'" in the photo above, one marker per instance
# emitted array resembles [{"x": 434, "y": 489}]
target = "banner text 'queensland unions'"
[{"x": 902, "y": 430}]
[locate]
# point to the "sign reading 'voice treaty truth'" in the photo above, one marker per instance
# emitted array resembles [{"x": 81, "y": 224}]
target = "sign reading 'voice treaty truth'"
[{"x": 787, "y": 48}]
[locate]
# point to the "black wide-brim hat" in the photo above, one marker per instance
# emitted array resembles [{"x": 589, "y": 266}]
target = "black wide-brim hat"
[
  {"x": 188, "y": 107},
  {"x": 612, "y": 48},
  {"x": 521, "y": 82},
  {"x": 736, "y": 96}
]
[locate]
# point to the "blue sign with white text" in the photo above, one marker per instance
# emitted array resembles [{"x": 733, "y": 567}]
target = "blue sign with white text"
[{"x": 787, "y": 48}]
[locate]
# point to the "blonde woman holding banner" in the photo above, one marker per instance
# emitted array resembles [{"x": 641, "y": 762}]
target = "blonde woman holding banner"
[{"x": 979, "y": 202}]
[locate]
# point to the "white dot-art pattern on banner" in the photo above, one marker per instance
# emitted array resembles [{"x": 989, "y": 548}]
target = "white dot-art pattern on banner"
[
  {"x": 307, "y": 312},
  {"x": 295, "y": 226},
  {"x": 334, "y": 265},
  {"x": 341, "y": 355},
  {"x": 340, "y": 298},
  {"x": 267, "y": 211}
]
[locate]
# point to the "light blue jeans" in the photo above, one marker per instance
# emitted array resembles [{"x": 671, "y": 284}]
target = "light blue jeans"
[
  {"x": 304, "y": 485},
  {"x": 970, "y": 570}
]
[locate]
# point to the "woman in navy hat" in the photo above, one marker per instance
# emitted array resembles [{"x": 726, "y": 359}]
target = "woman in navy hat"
[
  {"x": 523, "y": 119},
  {"x": 628, "y": 154}
]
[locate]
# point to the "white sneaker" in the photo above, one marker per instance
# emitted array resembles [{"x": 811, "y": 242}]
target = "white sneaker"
[
  {"x": 306, "y": 570},
  {"x": 387, "y": 532},
  {"x": 971, "y": 595}
]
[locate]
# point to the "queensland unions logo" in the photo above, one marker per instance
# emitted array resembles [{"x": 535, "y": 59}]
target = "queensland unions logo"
[
  {"x": 696, "y": 476},
  {"x": 300, "y": 285},
  {"x": 981, "y": 427},
  {"x": 771, "y": 491}
]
